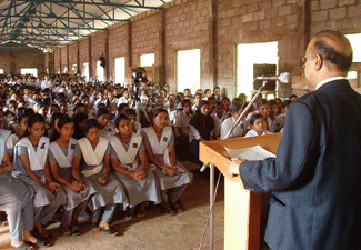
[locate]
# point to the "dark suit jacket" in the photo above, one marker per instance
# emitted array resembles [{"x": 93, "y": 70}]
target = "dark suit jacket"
[{"x": 316, "y": 178}]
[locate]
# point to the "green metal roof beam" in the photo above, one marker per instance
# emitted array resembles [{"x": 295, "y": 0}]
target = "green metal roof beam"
[
  {"x": 108, "y": 3},
  {"x": 59, "y": 28},
  {"x": 72, "y": 18}
]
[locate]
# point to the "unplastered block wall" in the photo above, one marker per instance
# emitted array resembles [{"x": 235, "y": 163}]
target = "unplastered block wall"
[
  {"x": 340, "y": 15},
  {"x": 146, "y": 30},
  {"x": 73, "y": 54},
  {"x": 97, "y": 40},
  {"x": 56, "y": 60},
  {"x": 187, "y": 27},
  {"x": 64, "y": 58},
  {"x": 5, "y": 61},
  {"x": 83, "y": 52},
  {"x": 29, "y": 59},
  {"x": 258, "y": 21},
  {"x": 119, "y": 45}
]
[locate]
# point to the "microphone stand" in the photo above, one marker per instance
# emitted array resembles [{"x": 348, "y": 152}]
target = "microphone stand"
[{"x": 240, "y": 117}]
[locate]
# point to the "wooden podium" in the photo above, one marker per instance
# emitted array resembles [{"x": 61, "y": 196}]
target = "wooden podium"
[{"x": 242, "y": 208}]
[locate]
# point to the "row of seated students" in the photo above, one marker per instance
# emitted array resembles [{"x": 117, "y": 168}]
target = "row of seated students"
[{"x": 127, "y": 169}]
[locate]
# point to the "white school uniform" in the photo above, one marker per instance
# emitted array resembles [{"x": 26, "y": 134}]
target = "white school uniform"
[
  {"x": 128, "y": 155},
  {"x": 227, "y": 125},
  {"x": 45, "y": 202},
  {"x": 253, "y": 133},
  {"x": 64, "y": 157},
  {"x": 160, "y": 152},
  {"x": 16, "y": 201},
  {"x": 92, "y": 169}
]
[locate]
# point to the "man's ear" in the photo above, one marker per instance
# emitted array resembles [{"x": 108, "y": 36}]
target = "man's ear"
[{"x": 317, "y": 62}]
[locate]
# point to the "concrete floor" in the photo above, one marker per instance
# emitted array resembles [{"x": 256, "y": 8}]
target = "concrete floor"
[{"x": 154, "y": 231}]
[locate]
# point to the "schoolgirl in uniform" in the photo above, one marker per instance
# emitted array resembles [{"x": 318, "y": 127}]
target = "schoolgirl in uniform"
[
  {"x": 20, "y": 130},
  {"x": 31, "y": 166},
  {"x": 61, "y": 152},
  {"x": 228, "y": 123},
  {"x": 172, "y": 177},
  {"x": 16, "y": 199},
  {"x": 107, "y": 127},
  {"x": 257, "y": 125},
  {"x": 91, "y": 163},
  {"x": 130, "y": 165}
]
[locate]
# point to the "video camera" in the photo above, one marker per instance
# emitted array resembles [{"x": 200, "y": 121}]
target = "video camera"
[{"x": 138, "y": 75}]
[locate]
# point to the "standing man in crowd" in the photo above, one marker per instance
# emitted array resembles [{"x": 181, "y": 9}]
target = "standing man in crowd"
[{"x": 315, "y": 179}]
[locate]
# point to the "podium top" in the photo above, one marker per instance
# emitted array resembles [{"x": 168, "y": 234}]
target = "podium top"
[{"x": 214, "y": 151}]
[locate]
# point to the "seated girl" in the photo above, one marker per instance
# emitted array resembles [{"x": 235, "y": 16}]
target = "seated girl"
[
  {"x": 91, "y": 164},
  {"x": 136, "y": 126},
  {"x": 16, "y": 199},
  {"x": 61, "y": 152},
  {"x": 20, "y": 130},
  {"x": 172, "y": 177},
  {"x": 257, "y": 127},
  {"x": 228, "y": 123},
  {"x": 32, "y": 167},
  {"x": 201, "y": 129},
  {"x": 264, "y": 109},
  {"x": 130, "y": 164}
]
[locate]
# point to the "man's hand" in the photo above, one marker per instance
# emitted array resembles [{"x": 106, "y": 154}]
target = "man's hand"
[{"x": 234, "y": 167}]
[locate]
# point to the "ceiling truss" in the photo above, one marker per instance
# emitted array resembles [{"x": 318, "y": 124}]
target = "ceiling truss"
[{"x": 47, "y": 24}]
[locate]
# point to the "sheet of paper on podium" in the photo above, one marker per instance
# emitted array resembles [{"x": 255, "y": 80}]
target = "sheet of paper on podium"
[{"x": 256, "y": 153}]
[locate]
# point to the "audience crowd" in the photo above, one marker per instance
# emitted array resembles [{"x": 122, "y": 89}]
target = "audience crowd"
[{"x": 87, "y": 148}]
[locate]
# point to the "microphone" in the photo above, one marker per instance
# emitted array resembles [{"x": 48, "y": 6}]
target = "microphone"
[{"x": 283, "y": 77}]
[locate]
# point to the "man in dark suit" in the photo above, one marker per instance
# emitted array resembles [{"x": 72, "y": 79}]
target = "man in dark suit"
[{"x": 316, "y": 178}]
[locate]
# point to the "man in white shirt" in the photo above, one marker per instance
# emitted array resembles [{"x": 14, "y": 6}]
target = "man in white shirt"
[{"x": 46, "y": 84}]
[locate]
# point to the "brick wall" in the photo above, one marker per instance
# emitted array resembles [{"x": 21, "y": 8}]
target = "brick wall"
[
  {"x": 56, "y": 60},
  {"x": 97, "y": 48},
  {"x": 145, "y": 37},
  {"x": 73, "y": 54},
  {"x": 119, "y": 46},
  {"x": 341, "y": 15},
  {"x": 13, "y": 60},
  {"x": 83, "y": 52},
  {"x": 5, "y": 61},
  {"x": 187, "y": 25},
  {"x": 253, "y": 22},
  {"x": 64, "y": 58}
]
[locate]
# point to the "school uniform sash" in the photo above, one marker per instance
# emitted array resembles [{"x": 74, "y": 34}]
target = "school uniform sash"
[
  {"x": 160, "y": 147},
  {"x": 93, "y": 157},
  {"x": 2, "y": 149},
  {"x": 37, "y": 159},
  {"x": 128, "y": 158},
  {"x": 10, "y": 141},
  {"x": 64, "y": 161},
  {"x": 107, "y": 132},
  {"x": 4, "y": 134}
]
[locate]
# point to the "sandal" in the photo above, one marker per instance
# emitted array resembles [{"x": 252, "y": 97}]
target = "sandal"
[
  {"x": 177, "y": 206},
  {"x": 167, "y": 209},
  {"x": 75, "y": 231},
  {"x": 66, "y": 230},
  {"x": 95, "y": 226},
  {"x": 141, "y": 213},
  {"x": 128, "y": 216},
  {"x": 42, "y": 243},
  {"x": 24, "y": 246},
  {"x": 110, "y": 231}
]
